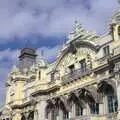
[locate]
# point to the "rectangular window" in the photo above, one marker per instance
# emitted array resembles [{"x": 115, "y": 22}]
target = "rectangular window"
[
  {"x": 39, "y": 75},
  {"x": 52, "y": 76},
  {"x": 79, "y": 110},
  {"x": 106, "y": 50},
  {"x": 71, "y": 69},
  {"x": 65, "y": 115},
  {"x": 83, "y": 65},
  {"x": 94, "y": 108},
  {"x": 54, "y": 115},
  {"x": 112, "y": 104}
]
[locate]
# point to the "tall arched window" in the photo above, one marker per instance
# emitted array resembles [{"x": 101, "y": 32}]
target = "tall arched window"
[
  {"x": 119, "y": 31},
  {"x": 109, "y": 92},
  {"x": 78, "y": 109}
]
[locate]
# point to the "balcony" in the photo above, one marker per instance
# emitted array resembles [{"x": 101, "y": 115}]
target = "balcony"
[{"x": 75, "y": 75}]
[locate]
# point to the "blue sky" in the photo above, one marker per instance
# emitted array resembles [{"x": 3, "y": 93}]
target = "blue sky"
[{"x": 45, "y": 24}]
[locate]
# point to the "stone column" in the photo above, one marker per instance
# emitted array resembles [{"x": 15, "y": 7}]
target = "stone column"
[
  {"x": 105, "y": 101},
  {"x": 85, "y": 111},
  {"x": 60, "y": 114},
  {"x": 50, "y": 115},
  {"x": 41, "y": 107},
  {"x": 73, "y": 110},
  {"x": 88, "y": 109},
  {"x": 101, "y": 108},
  {"x": 36, "y": 115},
  {"x": 118, "y": 98},
  {"x": 17, "y": 115}
]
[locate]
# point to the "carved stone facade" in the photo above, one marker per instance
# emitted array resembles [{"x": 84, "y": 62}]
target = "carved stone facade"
[{"x": 82, "y": 84}]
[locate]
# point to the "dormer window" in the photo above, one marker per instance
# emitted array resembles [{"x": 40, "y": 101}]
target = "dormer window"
[{"x": 106, "y": 50}]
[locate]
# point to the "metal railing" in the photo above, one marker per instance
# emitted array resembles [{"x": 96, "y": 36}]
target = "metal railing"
[{"x": 75, "y": 75}]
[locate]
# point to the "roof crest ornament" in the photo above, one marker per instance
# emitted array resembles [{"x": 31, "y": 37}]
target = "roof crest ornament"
[{"x": 79, "y": 31}]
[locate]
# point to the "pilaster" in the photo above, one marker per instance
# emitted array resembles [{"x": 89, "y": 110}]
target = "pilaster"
[
  {"x": 60, "y": 114},
  {"x": 41, "y": 107},
  {"x": 17, "y": 115}
]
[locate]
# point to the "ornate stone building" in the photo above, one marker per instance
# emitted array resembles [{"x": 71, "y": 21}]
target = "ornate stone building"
[{"x": 82, "y": 84}]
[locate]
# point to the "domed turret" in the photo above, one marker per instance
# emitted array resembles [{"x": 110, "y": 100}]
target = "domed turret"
[{"x": 27, "y": 58}]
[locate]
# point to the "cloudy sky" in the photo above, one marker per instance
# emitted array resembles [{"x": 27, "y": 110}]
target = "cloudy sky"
[{"x": 45, "y": 24}]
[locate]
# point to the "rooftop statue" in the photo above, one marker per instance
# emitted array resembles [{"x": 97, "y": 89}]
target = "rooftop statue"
[
  {"x": 42, "y": 62},
  {"x": 15, "y": 70}
]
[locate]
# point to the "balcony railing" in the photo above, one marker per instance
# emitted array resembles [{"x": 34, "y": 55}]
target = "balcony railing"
[{"x": 75, "y": 75}]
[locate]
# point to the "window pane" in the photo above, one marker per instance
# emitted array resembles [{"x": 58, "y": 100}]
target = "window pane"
[
  {"x": 112, "y": 104},
  {"x": 54, "y": 115},
  {"x": 71, "y": 69},
  {"x": 83, "y": 65},
  {"x": 95, "y": 108},
  {"x": 106, "y": 50},
  {"x": 79, "y": 110},
  {"x": 66, "y": 115}
]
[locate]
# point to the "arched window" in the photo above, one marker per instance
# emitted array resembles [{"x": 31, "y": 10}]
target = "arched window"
[
  {"x": 112, "y": 103},
  {"x": 78, "y": 109},
  {"x": 109, "y": 92},
  {"x": 31, "y": 115},
  {"x": 23, "y": 117},
  {"x": 94, "y": 107},
  {"x": 54, "y": 114},
  {"x": 119, "y": 31}
]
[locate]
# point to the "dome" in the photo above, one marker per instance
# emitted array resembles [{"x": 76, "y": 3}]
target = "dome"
[{"x": 116, "y": 17}]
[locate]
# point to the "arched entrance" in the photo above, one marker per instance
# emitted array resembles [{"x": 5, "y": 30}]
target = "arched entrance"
[
  {"x": 108, "y": 91},
  {"x": 23, "y": 117},
  {"x": 31, "y": 115}
]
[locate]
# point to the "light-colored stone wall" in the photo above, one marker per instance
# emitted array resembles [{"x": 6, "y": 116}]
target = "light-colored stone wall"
[{"x": 32, "y": 90}]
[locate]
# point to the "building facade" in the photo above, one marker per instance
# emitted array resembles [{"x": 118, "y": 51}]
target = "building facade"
[{"x": 82, "y": 84}]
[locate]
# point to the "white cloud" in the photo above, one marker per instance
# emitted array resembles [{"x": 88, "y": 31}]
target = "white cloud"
[
  {"x": 5, "y": 67},
  {"x": 22, "y": 18},
  {"x": 53, "y": 17},
  {"x": 9, "y": 54},
  {"x": 49, "y": 53}
]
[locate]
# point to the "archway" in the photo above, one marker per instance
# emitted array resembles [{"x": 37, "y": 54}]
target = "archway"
[
  {"x": 108, "y": 91},
  {"x": 23, "y": 117},
  {"x": 31, "y": 115},
  {"x": 90, "y": 96}
]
